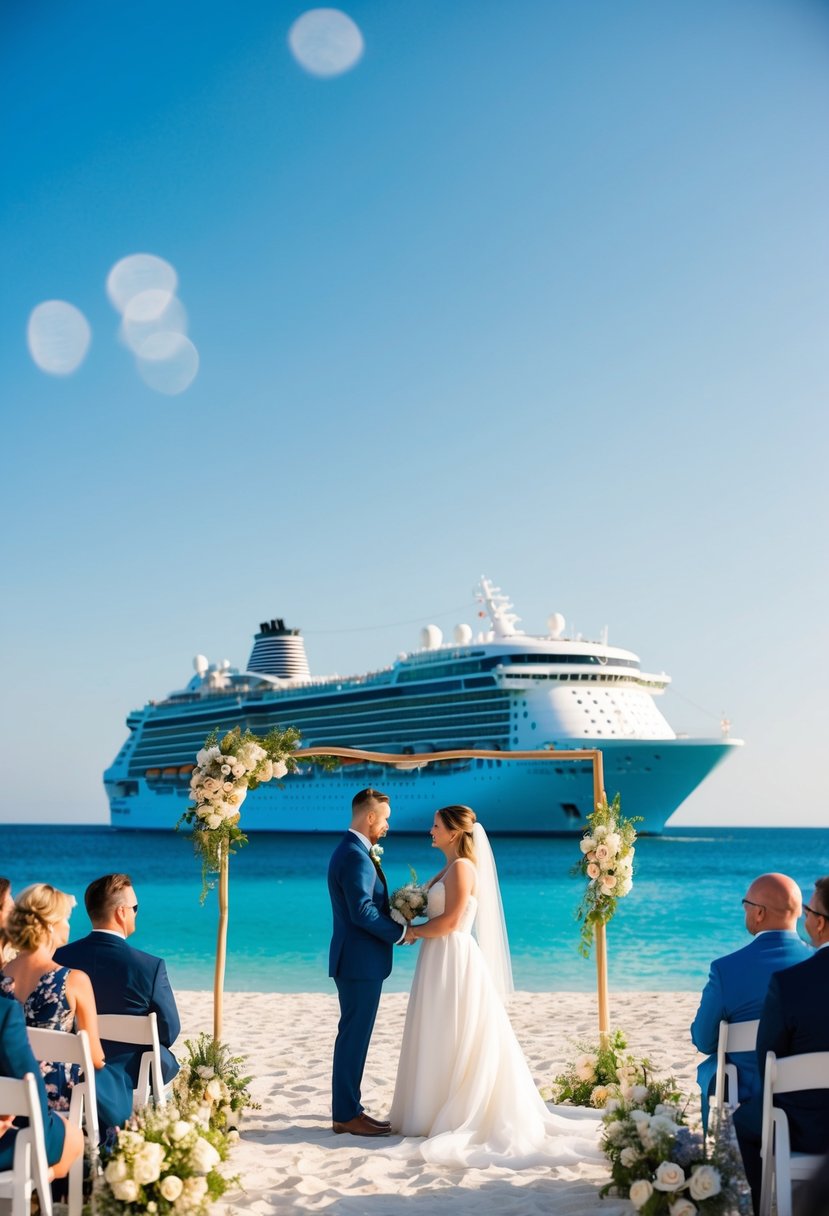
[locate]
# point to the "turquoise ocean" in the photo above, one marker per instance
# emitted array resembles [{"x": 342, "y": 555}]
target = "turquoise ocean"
[{"x": 683, "y": 911}]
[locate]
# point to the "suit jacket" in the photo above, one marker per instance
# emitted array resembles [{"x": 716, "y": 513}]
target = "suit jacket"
[
  {"x": 364, "y": 933},
  {"x": 794, "y": 1021},
  {"x": 126, "y": 980},
  {"x": 16, "y": 1059},
  {"x": 735, "y": 991}
]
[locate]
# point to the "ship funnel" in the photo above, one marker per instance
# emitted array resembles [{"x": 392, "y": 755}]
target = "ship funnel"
[{"x": 278, "y": 651}]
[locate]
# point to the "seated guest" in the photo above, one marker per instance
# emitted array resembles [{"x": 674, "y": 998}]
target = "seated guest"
[
  {"x": 64, "y": 1141},
  {"x": 793, "y": 1023},
  {"x": 737, "y": 983},
  {"x": 6, "y": 905},
  {"x": 55, "y": 997},
  {"x": 124, "y": 980}
]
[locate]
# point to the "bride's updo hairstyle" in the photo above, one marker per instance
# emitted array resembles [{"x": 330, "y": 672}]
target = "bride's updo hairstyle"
[
  {"x": 460, "y": 819},
  {"x": 35, "y": 911}
]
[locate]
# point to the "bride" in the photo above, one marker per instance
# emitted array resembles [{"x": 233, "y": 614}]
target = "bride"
[{"x": 462, "y": 1081}]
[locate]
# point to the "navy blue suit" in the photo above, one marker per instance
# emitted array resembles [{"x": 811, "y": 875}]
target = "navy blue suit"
[
  {"x": 794, "y": 1022},
  {"x": 16, "y": 1060},
  {"x": 127, "y": 981},
  {"x": 735, "y": 991},
  {"x": 359, "y": 960}
]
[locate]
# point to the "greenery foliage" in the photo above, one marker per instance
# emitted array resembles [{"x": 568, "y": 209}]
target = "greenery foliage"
[{"x": 211, "y": 1081}]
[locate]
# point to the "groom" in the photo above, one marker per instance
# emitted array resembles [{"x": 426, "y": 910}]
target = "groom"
[{"x": 361, "y": 954}]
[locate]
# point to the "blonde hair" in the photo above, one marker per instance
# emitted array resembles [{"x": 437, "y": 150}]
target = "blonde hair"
[
  {"x": 35, "y": 910},
  {"x": 460, "y": 819}
]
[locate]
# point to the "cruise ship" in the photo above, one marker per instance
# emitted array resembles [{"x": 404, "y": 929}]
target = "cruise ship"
[{"x": 495, "y": 689}]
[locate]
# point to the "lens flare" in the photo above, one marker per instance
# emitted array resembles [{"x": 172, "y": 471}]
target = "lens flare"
[
  {"x": 136, "y": 274},
  {"x": 325, "y": 42},
  {"x": 151, "y": 312},
  {"x": 58, "y": 335}
]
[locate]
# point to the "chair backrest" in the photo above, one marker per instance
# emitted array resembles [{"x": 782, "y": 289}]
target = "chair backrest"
[
  {"x": 59, "y": 1046},
  {"x": 20, "y": 1097},
  {"x": 788, "y": 1074},
  {"x": 141, "y": 1030},
  {"x": 733, "y": 1036}
]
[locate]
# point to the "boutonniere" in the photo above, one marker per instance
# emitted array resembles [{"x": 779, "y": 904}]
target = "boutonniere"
[{"x": 375, "y": 853}]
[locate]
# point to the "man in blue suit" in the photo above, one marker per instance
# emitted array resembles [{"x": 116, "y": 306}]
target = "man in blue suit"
[
  {"x": 361, "y": 954},
  {"x": 737, "y": 983},
  {"x": 124, "y": 980},
  {"x": 64, "y": 1141},
  {"x": 793, "y": 1023}
]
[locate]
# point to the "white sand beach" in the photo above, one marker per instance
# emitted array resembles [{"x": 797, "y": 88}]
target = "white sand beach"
[{"x": 290, "y": 1160}]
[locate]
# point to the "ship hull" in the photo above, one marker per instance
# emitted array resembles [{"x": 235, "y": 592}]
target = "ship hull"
[{"x": 515, "y": 797}]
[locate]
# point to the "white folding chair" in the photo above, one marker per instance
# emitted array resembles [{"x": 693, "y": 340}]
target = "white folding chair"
[
  {"x": 30, "y": 1169},
  {"x": 142, "y": 1031},
  {"x": 60, "y": 1046},
  {"x": 734, "y": 1036},
  {"x": 781, "y": 1166}
]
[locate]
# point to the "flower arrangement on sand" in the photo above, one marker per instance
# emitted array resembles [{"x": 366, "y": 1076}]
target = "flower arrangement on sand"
[
  {"x": 608, "y": 1073},
  {"x": 211, "y": 1084},
  {"x": 607, "y": 849},
  {"x": 161, "y": 1162},
  {"x": 226, "y": 770},
  {"x": 408, "y": 901},
  {"x": 663, "y": 1166}
]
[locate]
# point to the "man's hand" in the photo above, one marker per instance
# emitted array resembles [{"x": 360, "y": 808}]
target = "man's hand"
[{"x": 410, "y": 936}]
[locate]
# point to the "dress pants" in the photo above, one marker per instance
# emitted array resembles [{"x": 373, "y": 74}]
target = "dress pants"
[{"x": 359, "y": 1001}]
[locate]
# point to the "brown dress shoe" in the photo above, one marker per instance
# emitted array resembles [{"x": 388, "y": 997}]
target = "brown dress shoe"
[
  {"x": 376, "y": 1122},
  {"x": 362, "y": 1126}
]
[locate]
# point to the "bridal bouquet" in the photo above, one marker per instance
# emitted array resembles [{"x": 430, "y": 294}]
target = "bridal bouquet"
[
  {"x": 665, "y": 1168},
  {"x": 161, "y": 1163},
  {"x": 607, "y": 850},
  {"x": 211, "y": 1086},
  {"x": 409, "y": 901},
  {"x": 225, "y": 771}
]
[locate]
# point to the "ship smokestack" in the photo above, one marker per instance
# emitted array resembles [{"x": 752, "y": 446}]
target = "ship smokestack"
[{"x": 278, "y": 651}]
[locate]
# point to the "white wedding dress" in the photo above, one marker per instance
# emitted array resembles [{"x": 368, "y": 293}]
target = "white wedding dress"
[{"x": 462, "y": 1081}]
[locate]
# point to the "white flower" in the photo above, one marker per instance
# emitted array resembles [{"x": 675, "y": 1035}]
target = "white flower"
[
  {"x": 147, "y": 1165},
  {"x": 171, "y": 1187},
  {"x": 228, "y": 787},
  {"x": 640, "y": 1116},
  {"x": 625, "y": 887},
  {"x": 600, "y": 832},
  {"x": 640, "y": 1192},
  {"x": 616, "y": 1131},
  {"x": 599, "y": 1095},
  {"x": 628, "y": 1157},
  {"x": 585, "y": 1068},
  {"x": 213, "y": 821},
  {"x": 195, "y": 1189},
  {"x": 669, "y": 1176},
  {"x": 613, "y": 842},
  {"x": 280, "y": 769},
  {"x": 587, "y": 844},
  {"x": 203, "y": 1156},
  {"x": 265, "y": 770},
  {"x": 705, "y": 1182},
  {"x": 639, "y": 1093},
  {"x": 682, "y": 1207},
  {"x": 226, "y": 770},
  {"x": 238, "y": 770},
  {"x": 127, "y": 1190},
  {"x": 666, "y": 1108},
  {"x": 180, "y": 1128},
  {"x": 116, "y": 1171},
  {"x": 152, "y": 1206},
  {"x": 214, "y": 1089},
  {"x": 593, "y": 870},
  {"x": 611, "y": 1105},
  {"x": 662, "y": 1125}
]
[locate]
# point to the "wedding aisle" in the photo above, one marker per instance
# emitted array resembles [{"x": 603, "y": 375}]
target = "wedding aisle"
[{"x": 289, "y": 1159}]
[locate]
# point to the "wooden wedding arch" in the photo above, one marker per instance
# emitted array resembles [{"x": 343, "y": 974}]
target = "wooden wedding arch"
[{"x": 590, "y": 756}]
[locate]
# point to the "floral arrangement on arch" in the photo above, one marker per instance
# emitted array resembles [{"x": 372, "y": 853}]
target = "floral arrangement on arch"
[
  {"x": 607, "y": 849},
  {"x": 226, "y": 770},
  {"x": 606, "y": 1074},
  {"x": 162, "y": 1162},
  {"x": 664, "y": 1167},
  {"x": 210, "y": 1083}
]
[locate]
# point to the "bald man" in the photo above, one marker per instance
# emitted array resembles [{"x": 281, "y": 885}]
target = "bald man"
[{"x": 737, "y": 984}]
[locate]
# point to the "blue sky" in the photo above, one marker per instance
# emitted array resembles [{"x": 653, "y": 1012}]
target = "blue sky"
[{"x": 537, "y": 290}]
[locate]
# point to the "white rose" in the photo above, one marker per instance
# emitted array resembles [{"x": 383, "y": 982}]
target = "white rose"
[
  {"x": 116, "y": 1171},
  {"x": 225, "y": 770},
  {"x": 613, "y": 841},
  {"x": 237, "y": 796},
  {"x": 203, "y": 1156},
  {"x": 214, "y": 1089},
  {"x": 237, "y": 769},
  {"x": 127, "y": 1190},
  {"x": 265, "y": 771},
  {"x": 228, "y": 787},
  {"x": 195, "y": 1190},
  {"x": 280, "y": 770},
  {"x": 148, "y": 1163},
  {"x": 640, "y": 1192},
  {"x": 587, "y": 844},
  {"x": 662, "y": 1125},
  {"x": 682, "y": 1207},
  {"x": 669, "y": 1176},
  {"x": 705, "y": 1182},
  {"x": 171, "y": 1187},
  {"x": 585, "y": 1067},
  {"x": 639, "y": 1093},
  {"x": 628, "y": 1157},
  {"x": 213, "y": 821},
  {"x": 593, "y": 870},
  {"x": 180, "y": 1129}
]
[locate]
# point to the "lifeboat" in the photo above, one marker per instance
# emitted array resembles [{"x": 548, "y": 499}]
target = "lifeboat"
[{"x": 153, "y": 774}]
